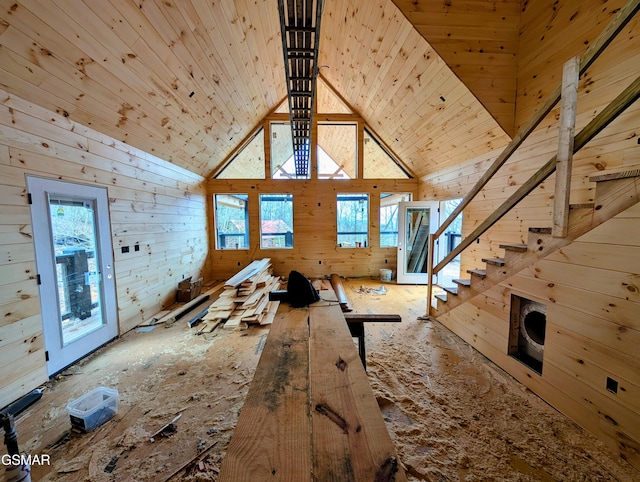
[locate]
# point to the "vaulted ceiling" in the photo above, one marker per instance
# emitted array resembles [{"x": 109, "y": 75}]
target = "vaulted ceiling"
[{"x": 187, "y": 80}]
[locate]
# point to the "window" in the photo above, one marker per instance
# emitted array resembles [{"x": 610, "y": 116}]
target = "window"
[
  {"x": 336, "y": 151},
  {"x": 378, "y": 162},
  {"x": 353, "y": 220},
  {"x": 282, "y": 160},
  {"x": 276, "y": 221},
  {"x": 248, "y": 163},
  {"x": 389, "y": 217},
  {"x": 231, "y": 221}
]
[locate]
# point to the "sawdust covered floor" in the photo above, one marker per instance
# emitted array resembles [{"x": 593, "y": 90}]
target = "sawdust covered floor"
[{"x": 453, "y": 415}]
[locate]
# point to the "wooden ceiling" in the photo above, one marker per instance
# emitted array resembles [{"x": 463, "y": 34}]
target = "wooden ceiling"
[{"x": 188, "y": 80}]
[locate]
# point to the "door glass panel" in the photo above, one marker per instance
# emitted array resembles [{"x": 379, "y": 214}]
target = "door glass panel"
[
  {"x": 416, "y": 221},
  {"x": 417, "y": 236},
  {"x": 73, "y": 232},
  {"x": 450, "y": 239}
]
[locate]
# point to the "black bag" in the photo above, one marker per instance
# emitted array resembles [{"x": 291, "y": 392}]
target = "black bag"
[{"x": 300, "y": 291}]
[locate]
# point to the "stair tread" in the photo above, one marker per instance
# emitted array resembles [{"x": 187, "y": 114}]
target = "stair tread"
[
  {"x": 442, "y": 297},
  {"x": 582, "y": 206},
  {"x": 618, "y": 173},
  {"x": 451, "y": 289},
  {"x": 494, "y": 261},
  {"x": 514, "y": 247},
  {"x": 478, "y": 272},
  {"x": 541, "y": 230},
  {"x": 462, "y": 282}
]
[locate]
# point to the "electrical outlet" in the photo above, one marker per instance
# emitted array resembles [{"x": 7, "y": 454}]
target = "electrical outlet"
[{"x": 125, "y": 249}]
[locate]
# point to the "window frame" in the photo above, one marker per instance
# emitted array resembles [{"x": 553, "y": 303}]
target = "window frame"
[
  {"x": 356, "y": 244},
  {"x": 353, "y": 166},
  {"x": 405, "y": 196},
  {"x": 288, "y": 239},
  {"x": 216, "y": 218}
]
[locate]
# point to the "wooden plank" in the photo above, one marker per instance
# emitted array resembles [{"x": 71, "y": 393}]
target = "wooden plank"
[
  {"x": 347, "y": 423},
  {"x": 618, "y": 173},
  {"x": 247, "y": 272},
  {"x": 592, "y": 364},
  {"x": 271, "y": 439},
  {"x": 621, "y": 311},
  {"x": 564, "y": 159},
  {"x": 341, "y": 295},
  {"x": 272, "y": 308},
  {"x": 371, "y": 318}
]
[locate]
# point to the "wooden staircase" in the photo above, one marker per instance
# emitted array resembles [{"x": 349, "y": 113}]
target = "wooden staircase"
[{"x": 615, "y": 192}]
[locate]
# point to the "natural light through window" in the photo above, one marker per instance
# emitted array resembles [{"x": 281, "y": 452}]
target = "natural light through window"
[
  {"x": 276, "y": 221},
  {"x": 353, "y": 220},
  {"x": 389, "y": 217},
  {"x": 232, "y": 221}
]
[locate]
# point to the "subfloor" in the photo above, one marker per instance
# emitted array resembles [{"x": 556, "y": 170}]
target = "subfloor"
[{"x": 452, "y": 414}]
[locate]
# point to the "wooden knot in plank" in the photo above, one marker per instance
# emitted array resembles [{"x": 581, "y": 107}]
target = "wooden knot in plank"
[{"x": 333, "y": 416}]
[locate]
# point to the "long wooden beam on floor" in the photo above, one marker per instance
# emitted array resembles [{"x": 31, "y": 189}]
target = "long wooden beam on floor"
[{"x": 336, "y": 283}]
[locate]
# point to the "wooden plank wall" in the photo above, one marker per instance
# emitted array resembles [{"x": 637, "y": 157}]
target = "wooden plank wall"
[
  {"x": 315, "y": 252},
  {"x": 551, "y": 33},
  {"x": 591, "y": 288},
  {"x": 153, "y": 203}
]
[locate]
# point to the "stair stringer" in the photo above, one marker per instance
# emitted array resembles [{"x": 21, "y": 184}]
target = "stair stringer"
[{"x": 613, "y": 196}]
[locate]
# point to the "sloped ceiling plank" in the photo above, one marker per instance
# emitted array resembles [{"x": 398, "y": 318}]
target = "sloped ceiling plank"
[
  {"x": 474, "y": 37},
  {"x": 74, "y": 84},
  {"x": 188, "y": 80},
  {"x": 401, "y": 95},
  {"x": 182, "y": 80},
  {"x": 545, "y": 23}
]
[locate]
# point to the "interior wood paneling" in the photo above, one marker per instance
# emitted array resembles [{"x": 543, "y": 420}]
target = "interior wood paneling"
[
  {"x": 188, "y": 81},
  {"x": 315, "y": 251},
  {"x": 545, "y": 45},
  {"x": 439, "y": 82},
  {"x": 480, "y": 41},
  {"x": 153, "y": 203},
  {"x": 590, "y": 287}
]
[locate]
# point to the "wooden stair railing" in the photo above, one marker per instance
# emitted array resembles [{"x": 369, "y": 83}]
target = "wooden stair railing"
[
  {"x": 623, "y": 16},
  {"x": 615, "y": 192}
]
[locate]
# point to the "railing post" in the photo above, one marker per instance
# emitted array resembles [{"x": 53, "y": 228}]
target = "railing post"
[
  {"x": 566, "y": 128},
  {"x": 432, "y": 243}
]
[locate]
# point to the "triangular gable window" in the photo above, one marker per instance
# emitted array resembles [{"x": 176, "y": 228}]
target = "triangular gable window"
[
  {"x": 378, "y": 163},
  {"x": 248, "y": 163}
]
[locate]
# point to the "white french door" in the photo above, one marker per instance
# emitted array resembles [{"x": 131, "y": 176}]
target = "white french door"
[
  {"x": 416, "y": 220},
  {"x": 74, "y": 258}
]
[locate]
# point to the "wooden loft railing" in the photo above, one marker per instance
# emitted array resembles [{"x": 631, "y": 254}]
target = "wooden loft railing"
[{"x": 613, "y": 110}]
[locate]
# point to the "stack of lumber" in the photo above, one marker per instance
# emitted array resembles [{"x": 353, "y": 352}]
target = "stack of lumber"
[{"x": 245, "y": 299}]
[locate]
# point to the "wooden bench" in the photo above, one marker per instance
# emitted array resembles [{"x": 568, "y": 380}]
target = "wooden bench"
[{"x": 310, "y": 413}]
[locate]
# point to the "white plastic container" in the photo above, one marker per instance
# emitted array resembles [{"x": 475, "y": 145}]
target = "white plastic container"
[
  {"x": 93, "y": 409},
  {"x": 385, "y": 275}
]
